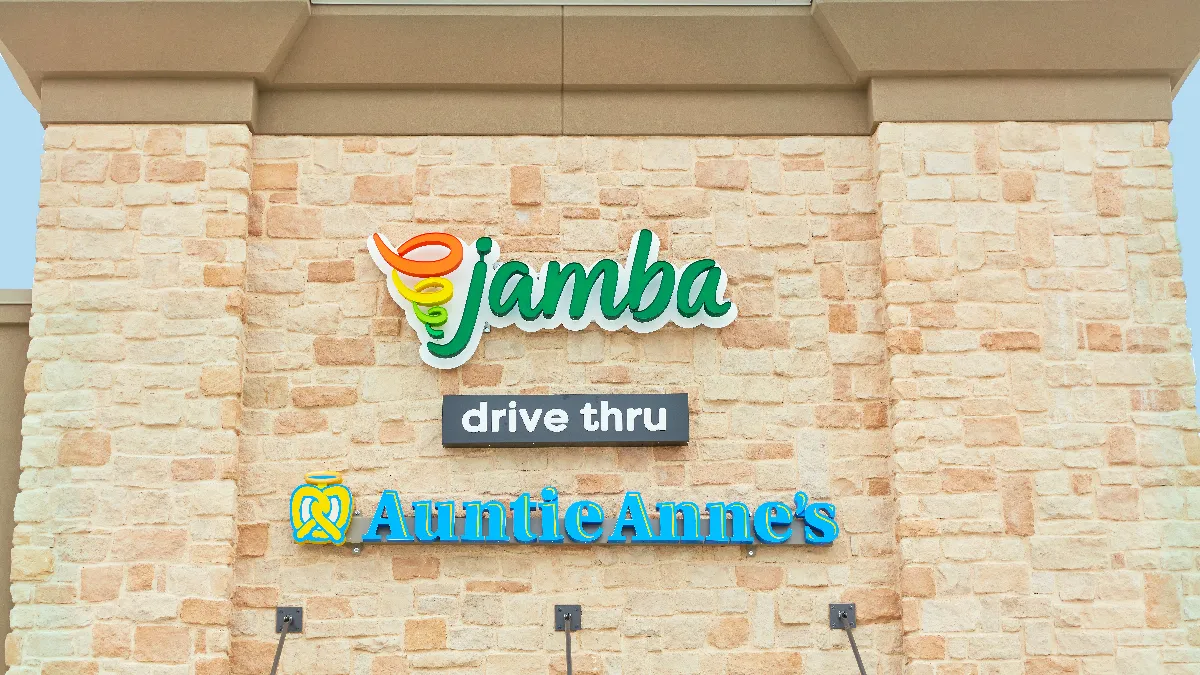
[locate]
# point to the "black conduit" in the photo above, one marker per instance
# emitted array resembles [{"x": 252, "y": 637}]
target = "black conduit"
[
  {"x": 287, "y": 623},
  {"x": 849, "y": 633},
  {"x": 567, "y": 626}
]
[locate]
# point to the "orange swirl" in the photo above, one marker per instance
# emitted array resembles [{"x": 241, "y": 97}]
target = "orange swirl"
[
  {"x": 422, "y": 268},
  {"x": 429, "y": 271}
]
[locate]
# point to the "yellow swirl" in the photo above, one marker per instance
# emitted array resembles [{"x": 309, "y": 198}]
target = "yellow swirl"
[
  {"x": 417, "y": 293},
  {"x": 426, "y": 303},
  {"x": 435, "y": 316}
]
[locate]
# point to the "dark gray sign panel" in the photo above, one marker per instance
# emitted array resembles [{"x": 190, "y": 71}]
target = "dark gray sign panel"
[{"x": 564, "y": 420}]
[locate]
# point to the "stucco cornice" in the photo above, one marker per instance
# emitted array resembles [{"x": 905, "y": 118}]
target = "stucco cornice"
[
  {"x": 18, "y": 73},
  {"x": 284, "y": 66},
  {"x": 1013, "y": 37},
  {"x": 150, "y": 38}
]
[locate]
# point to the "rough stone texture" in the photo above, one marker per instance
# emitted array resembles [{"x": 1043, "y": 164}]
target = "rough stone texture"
[
  {"x": 134, "y": 387},
  {"x": 779, "y": 404},
  {"x": 969, "y": 337},
  {"x": 1073, "y": 550}
]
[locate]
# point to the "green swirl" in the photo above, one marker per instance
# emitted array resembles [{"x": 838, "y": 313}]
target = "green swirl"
[{"x": 432, "y": 318}]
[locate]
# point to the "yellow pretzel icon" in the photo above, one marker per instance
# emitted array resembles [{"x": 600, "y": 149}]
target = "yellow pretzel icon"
[{"x": 321, "y": 510}]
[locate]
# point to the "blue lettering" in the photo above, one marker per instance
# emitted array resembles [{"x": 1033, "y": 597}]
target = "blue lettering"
[
  {"x": 497, "y": 517},
  {"x": 388, "y": 514},
  {"x": 819, "y": 524},
  {"x": 423, "y": 521},
  {"x": 580, "y": 514},
  {"x": 769, "y": 514},
  {"x": 741, "y": 523},
  {"x": 521, "y": 508},
  {"x": 550, "y": 531},
  {"x": 669, "y": 529},
  {"x": 632, "y": 514}
]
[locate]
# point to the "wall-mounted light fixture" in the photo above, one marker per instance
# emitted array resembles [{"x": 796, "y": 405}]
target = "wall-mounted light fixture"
[
  {"x": 568, "y": 618},
  {"x": 842, "y": 616},
  {"x": 287, "y": 620}
]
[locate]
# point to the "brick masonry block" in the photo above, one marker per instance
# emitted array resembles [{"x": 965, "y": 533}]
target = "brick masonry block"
[{"x": 966, "y": 336}]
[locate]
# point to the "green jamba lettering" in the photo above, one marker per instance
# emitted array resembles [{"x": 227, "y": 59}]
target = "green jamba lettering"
[
  {"x": 466, "y": 327},
  {"x": 512, "y": 286},
  {"x": 706, "y": 299},
  {"x": 640, "y": 277},
  {"x": 521, "y": 296},
  {"x": 607, "y": 272}
]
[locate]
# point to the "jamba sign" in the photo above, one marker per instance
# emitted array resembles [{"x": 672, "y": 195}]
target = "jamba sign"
[{"x": 449, "y": 295}]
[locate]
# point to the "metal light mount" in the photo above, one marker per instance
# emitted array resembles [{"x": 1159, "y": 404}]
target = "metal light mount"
[
  {"x": 842, "y": 616},
  {"x": 568, "y": 618},
  {"x": 287, "y": 620},
  {"x": 564, "y": 612},
  {"x": 296, "y": 625}
]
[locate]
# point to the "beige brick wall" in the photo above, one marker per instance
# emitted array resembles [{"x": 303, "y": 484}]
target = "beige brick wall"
[
  {"x": 1042, "y": 414},
  {"x": 779, "y": 402},
  {"x": 968, "y": 337},
  {"x": 125, "y": 521}
]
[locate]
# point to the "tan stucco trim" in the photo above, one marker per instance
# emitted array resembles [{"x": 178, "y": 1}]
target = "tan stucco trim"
[
  {"x": 572, "y": 113},
  {"x": 23, "y": 81},
  {"x": 14, "y": 314},
  {"x": 409, "y": 112},
  {"x": 15, "y": 306},
  {"x": 739, "y": 113},
  {"x": 150, "y": 100},
  {"x": 697, "y": 47},
  {"x": 148, "y": 38},
  {"x": 16, "y": 296},
  {"x": 1020, "y": 99},
  {"x": 1177, "y": 83},
  {"x": 287, "y": 44},
  {"x": 347, "y": 69},
  {"x": 420, "y": 46},
  {"x": 606, "y": 112},
  {"x": 1012, "y": 37}
]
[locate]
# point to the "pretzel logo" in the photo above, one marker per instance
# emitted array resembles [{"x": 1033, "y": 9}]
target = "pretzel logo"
[{"x": 321, "y": 510}]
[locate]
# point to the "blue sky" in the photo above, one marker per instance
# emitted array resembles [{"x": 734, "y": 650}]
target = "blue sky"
[
  {"x": 21, "y": 143},
  {"x": 20, "y": 173},
  {"x": 1185, "y": 146}
]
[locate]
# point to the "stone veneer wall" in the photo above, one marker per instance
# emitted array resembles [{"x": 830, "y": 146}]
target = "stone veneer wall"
[
  {"x": 1043, "y": 414},
  {"x": 969, "y": 337},
  {"x": 125, "y": 523}
]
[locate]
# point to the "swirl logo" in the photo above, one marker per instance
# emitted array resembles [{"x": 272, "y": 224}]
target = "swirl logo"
[
  {"x": 428, "y": 296},
  {"x": 321, "y": 509},
  {"x": 643, "y": 295}
]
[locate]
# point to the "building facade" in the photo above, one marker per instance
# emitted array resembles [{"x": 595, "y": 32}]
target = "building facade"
[{"x": 947, "y": 227}]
